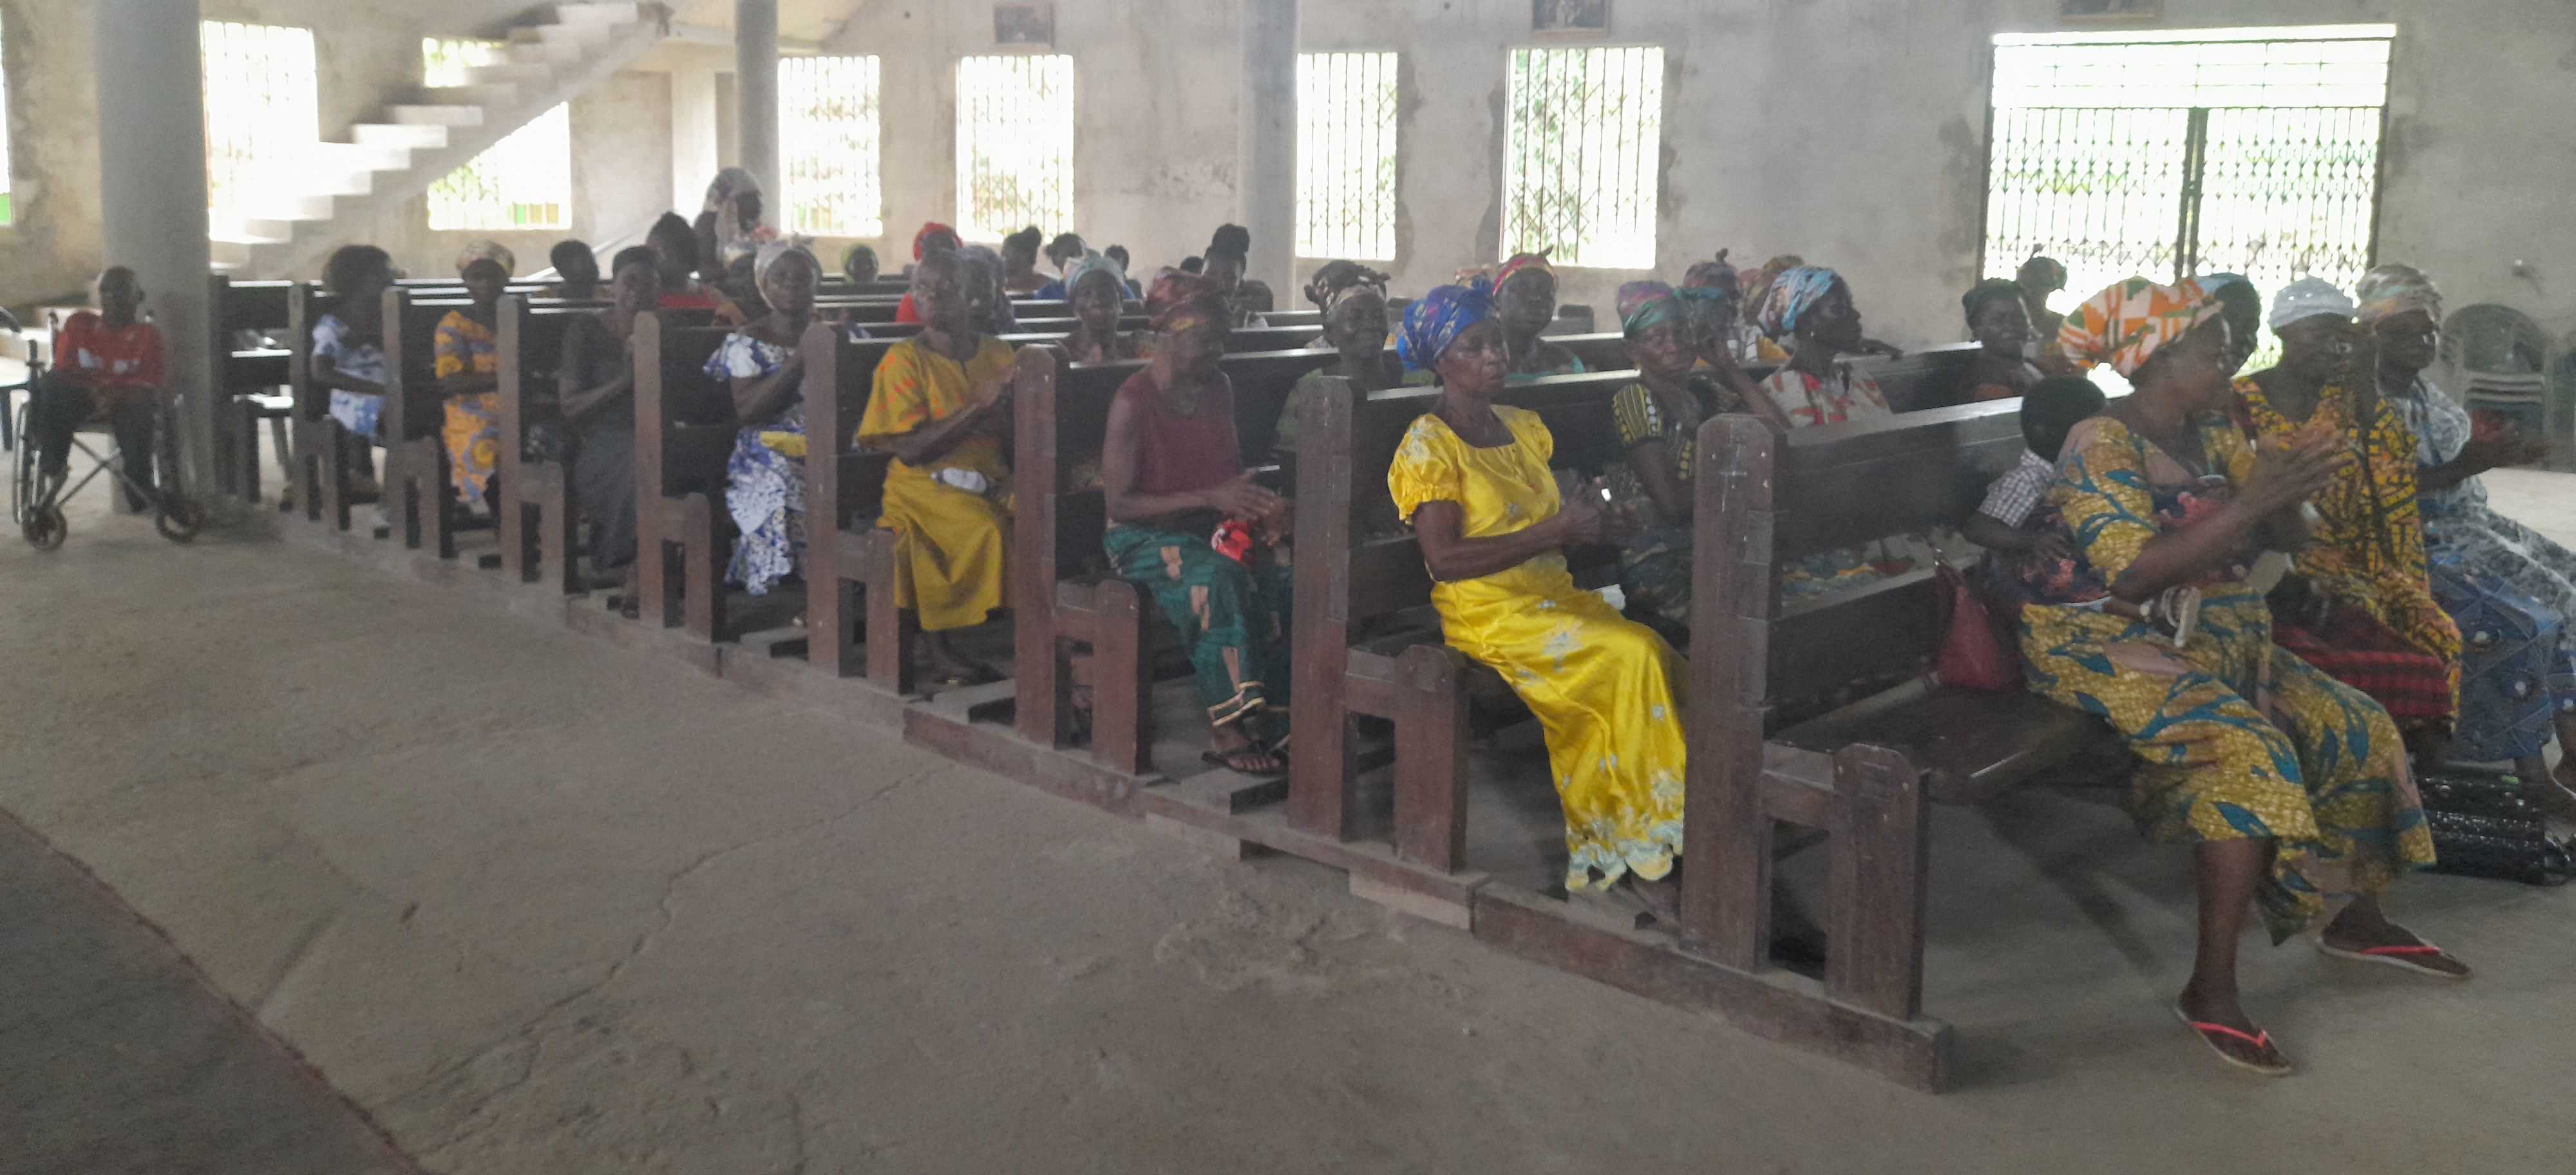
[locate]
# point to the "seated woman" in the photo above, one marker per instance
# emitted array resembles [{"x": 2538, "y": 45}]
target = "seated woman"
[
  {"x": 1658, "y": 419},
  {"x": 2241, "y": 305},
  {"x": 735, "y": 200},
  {"x": 2403, "y": 311},
  {"x": 1352, "y": 298},
  {"x": 934, "y": 237},
  {"x": 2292, "y": 788},
  {"x": 1712, "y": 292},
  {"x": 1187, "y": 524},
  {"x": 986, "y": 300},
  {"x": 1020, "y": 262},
  {"x": 942, "y": 406},
  {"x": 2001, "y": 325},
  {"x": 1099, "y": 298},
  {"x": 1525, "y": 306},
  {"x": 765, "y": 476},
  {"x": 576, "y": 270},
  {"x": 2361, "y": 605},
  {"x": 859, "y": 264},
  {"x": 1812, "y": 309},
  {"x": 1473, "y": 480},
  {"x": 2038, "y": 278},
  {"x": 595, "y": 389},
  {"x": 1229, "y": 252},
  {"x": 349, "y": 354},
  {"x": 466, "y": 360}
]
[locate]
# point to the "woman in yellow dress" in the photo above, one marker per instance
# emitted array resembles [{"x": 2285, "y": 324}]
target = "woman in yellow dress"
[
  {"x": 465, "y": 358},
  {"x": 942, "y": 406},
  {"x": 1473, "y": 480},
  {"x": 2291, "y": 787}
]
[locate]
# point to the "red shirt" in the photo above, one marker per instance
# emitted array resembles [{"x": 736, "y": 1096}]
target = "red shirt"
[
  {"x": 107, "y": 357},
  {"x": 1176, "y": 454},
  {"x": 903, "y": 311}
]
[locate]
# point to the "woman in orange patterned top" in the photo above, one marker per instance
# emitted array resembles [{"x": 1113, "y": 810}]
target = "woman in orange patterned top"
[{"x": 466, "y": 357}]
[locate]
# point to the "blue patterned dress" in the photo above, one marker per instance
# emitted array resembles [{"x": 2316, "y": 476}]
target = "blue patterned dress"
[{"x": 765, "y": 476}]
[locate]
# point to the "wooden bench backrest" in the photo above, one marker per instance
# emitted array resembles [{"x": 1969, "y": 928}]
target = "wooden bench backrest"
[
  {"x": 840, "y": 374},
  {"x": 684, "y": 427},
  {"x": 248, "y": 305},
  {"x": 412, "y": 408},
  {"x": 305, "y": 306}
]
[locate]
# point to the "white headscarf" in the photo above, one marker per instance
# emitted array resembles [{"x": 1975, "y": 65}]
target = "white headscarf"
[{"x": 2310, "y": 297}]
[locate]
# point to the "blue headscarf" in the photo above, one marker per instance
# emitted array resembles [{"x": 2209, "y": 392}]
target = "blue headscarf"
[
  {"x": 1791, "y": 294},
  {"x": 1436, "y": 319}
]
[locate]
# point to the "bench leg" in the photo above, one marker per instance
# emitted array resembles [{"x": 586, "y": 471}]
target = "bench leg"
[
  {"x": 891, "y": 629},
  {"x": 1122, "y": 708},
  {"x": 277, "y": 441},
  {"x": 1431, "y": 758},
  {"x": 1874, "y": 903},
  {"x": 701, "y": 558},
  {"x": 657, "y": 552}
]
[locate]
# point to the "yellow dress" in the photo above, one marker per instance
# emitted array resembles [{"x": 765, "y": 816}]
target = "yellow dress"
[
  {"x": 1606, "y": 689},
  {"x": 950, "y": 544}
]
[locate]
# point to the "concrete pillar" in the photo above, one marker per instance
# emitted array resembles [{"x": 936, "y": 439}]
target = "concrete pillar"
[
  {"x": 755, "y": 42},
  {"x": 152, "y": 185},
  {"x": 695, "y": 154},
  {"x": 1266, "y": 142}
]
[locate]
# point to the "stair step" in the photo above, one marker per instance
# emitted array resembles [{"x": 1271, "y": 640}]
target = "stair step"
[
  {"x": 598, "y": 13},
  {"x": 408, "y": 136},
  {"x": 491, "y": 94},
  {"x": 436, "y": 115},
  {"x": 249, "y": 234},
  {"x": 575, "y": 36},
  {"x": 512, "y": 74},
  {"x": 282, "y": 207},
  {"x": 535, "y": 51},
  {"x": 362, "y": 157}
]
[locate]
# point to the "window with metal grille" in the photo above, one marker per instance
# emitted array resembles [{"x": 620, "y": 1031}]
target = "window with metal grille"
[
  {"x": 523, "y": 182},
  {"x": 2252, "y": 151},
  {"x": 8, "y": 213},
  {"x": 262, "y": 113},
  {"x": 1014, "y": 144},
  {"x": 1346, "y": 116},
  {"x": 1580, "y": 165},
  {"x": 828, "y": 140}
]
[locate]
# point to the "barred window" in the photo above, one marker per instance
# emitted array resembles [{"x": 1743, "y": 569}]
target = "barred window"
[
  {"x": 263, "y": 114},
  {"x": 1585, "y": 148},
  {"x": 1014, "y": 144},
  {"x": 828, "y": 139},
  {"x": 1346, "y": 117},
  {"x": 524, "y": 182}
]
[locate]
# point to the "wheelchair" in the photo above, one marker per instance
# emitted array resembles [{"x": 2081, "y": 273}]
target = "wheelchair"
[{"x": 41, "y": 522}]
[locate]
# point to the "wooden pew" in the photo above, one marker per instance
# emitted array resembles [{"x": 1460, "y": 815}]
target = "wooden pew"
[
  {"x": 1059, "y": 595},
  {"x": 321, "y": 447},
  {"x": 415, "y": 461},
  {"x": 849, "y": 562},
  {"x": 242, "y": 373},
  {"x": 684, "y": 432},
  {"x": 1861, "y": 773},
  {"x": 1345, "y": 579}
]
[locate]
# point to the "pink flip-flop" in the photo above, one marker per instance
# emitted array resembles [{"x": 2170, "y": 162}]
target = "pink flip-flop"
[
  {"x": 2404, "y": 957},
  {"x": 2260, "y": 1039}
]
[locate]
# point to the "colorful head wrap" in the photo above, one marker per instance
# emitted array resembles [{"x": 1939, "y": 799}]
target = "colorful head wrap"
[
  {"x": 492, "y": 251},
  {"x": 930, "y": 229},
  {"x": 1181, "y": 300},
  {"x": 2310, "y": 297},
  {"x": 1993, "y": 289},
  {"x": 1337, "y": 281},
  {"x": 1643, "y": 304},
  {"x": 2391, "y": 290},
  {"x": 2048, "y": 267},
  {"x": 733, "y": 237},
  {"x": 2125, "y": 324},
  {"x": 1436, "y": 319},
  {"x": 1088, "y": 264},
  {"x": 1714, "y": 274},
  {"x": 1792, "y": 294},
  {"x": 1521, "y": 263},
  {"x": 769, "y": 254}
]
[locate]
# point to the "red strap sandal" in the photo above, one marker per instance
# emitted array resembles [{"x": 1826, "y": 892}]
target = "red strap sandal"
[{"x": 2261, "y": 1041}]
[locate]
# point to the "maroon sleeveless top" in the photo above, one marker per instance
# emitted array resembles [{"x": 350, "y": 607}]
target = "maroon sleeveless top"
[{"x": 1174, "y": 453}]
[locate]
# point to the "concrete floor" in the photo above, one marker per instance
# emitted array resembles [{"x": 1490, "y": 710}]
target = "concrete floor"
[{"x": 536, "y": 904}]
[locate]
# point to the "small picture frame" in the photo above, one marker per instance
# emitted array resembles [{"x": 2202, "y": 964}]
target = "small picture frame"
[
  {"x": 1570, "y": 18},
  {"x": 1028, "y": 26},
  {"x": 2109, "y": 11}
]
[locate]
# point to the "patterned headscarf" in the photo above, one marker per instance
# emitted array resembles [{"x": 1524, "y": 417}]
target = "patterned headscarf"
[
  {"x": 1713, "y": 274},
  {"x": 1339, "y": 280},
  {"x": 2310, "y": 297},
  {"x": 2125, "y": 324},
  {"x": 1521, "y": 263},
  {"x": 1643, "y": 304},
  {"x": 2391, "y": 290},
  {"x": 2050, "y": 266},
  {"x": 1089, "y": 263},
  {"x": 930, "y": 229},
  {"x": 1993, "y": 289},
  {"x": 1181, "y": 300},
  {"x": 1792, "y": 294},
  {"x": 492, "y": 251},
  {"x": 1436, "y": 319},
  {"x": 768, "y": 255},
  {"x": 1758, "y": 287},
  {"x": 733, "y": 237}
]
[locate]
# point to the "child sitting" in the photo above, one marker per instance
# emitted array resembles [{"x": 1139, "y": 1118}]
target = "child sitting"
[
  {"x": 107, "y": 363},
  {"x": 2048, "y": 413}
]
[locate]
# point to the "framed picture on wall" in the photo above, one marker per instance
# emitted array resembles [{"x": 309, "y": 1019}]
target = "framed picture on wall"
[
  {"x": 1030, "y": 25},
  {"x": 1570, "y": 18},
  {"x": 2110, "y": 10}
]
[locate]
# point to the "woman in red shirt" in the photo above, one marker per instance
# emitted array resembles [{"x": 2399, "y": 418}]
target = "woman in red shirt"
[
  {"x": 106, "y": 363},
  {"x": 1189, "y": 526}
]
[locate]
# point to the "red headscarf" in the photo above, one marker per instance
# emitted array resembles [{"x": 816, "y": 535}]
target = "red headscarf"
[
  {"x": 1178, "y": 297},
  {"x": 929, "y": 230},
  {"x": 1521, "y": 263}
]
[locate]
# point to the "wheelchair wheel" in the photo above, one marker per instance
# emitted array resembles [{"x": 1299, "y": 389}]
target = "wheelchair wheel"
[
  {"x": 44, "y": 528},
  {"x": 178, "y": 518}
]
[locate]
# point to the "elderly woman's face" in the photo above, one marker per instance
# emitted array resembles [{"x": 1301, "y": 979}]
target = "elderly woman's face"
[
  {"x": 1664, "y": 349},
  {"x": 2317, "y": 347},
  {"x": 1527, "y": 303},
  {"x": 2410, "y": 341},
  {"x": 788, "y": 287},
  {"x": 939, "y": 291},
  {"x": 1477, "y": 361},
  {"x": 2195, "y": 367},
  {"x": 2002, "y": 325},
  {"x": 1098, "y": 300},
  {"x": 1833, "y": 320},
  {"x": 1356, "y": 329},
  {"x": 484, "y": 281}
]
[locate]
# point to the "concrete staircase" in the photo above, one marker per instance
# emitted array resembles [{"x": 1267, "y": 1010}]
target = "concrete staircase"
[{"x": 577, "y": 46}]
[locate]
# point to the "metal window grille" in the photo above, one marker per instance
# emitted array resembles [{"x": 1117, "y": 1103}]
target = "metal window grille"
[
  {"x": 1346, "y": 120},
  {"x": 2246, "y": 151},
  {"x": 8, "y": 213},
  {"x": 263, "y": 114},
  {"x": 523, "y": 182},
  {"x": 828, "y": 135},
  {"x": 1014, "y": 144},
  {"x": 1583, "y": 156}
]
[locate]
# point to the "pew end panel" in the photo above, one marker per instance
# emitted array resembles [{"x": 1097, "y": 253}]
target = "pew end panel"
[
  {"x": 684, "y": 434},
  {"x": 415, "y": 461},
  {"x": 849, "y": 560}
]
